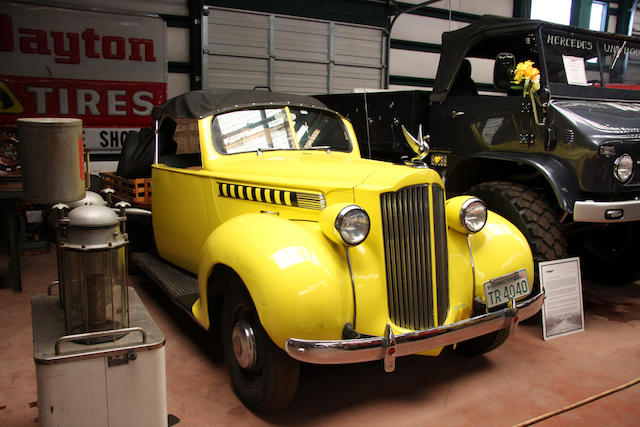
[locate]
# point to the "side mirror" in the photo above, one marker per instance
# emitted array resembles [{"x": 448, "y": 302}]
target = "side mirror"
[{"x": 503, "y": 70}]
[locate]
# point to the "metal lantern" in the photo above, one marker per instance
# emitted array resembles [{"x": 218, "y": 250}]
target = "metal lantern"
[{"x": 93, "y": 271}]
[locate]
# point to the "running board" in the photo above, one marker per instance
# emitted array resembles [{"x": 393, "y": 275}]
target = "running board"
[{"x": 180, "y": 286}]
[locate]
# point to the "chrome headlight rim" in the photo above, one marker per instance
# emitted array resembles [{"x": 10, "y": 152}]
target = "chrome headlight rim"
[
  {"x": 464, "y": 210},
  {"x": 617, "y": 164},
  {"x": 344, "y": 214}
]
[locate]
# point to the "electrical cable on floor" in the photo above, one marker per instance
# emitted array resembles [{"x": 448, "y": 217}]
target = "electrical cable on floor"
[{"x": 578, "y": 404}]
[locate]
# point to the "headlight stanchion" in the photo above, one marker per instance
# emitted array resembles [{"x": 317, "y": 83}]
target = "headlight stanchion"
[{"x": 353, "y": 286}]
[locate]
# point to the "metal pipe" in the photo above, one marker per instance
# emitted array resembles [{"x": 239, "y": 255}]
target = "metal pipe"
[{"x": 156, "y": 130}]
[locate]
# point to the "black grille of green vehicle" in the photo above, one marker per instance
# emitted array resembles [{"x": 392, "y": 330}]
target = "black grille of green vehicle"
[{"x": 408, "y": 256}]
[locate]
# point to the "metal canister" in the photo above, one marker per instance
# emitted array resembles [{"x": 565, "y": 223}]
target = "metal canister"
[{"x": 52, "y": 159}]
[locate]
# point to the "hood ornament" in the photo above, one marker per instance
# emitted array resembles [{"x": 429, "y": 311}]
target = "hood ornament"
[{"x": 419, "y": 145}]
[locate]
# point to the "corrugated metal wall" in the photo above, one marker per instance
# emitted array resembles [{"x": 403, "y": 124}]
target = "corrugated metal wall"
[{"x": 246, "y": 49}]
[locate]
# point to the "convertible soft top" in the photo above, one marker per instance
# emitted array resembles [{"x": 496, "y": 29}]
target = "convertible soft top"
[{"x": 202, "y": 103}]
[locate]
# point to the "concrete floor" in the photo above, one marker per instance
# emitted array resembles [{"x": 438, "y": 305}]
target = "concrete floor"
[{"x": 522, "y": 379}]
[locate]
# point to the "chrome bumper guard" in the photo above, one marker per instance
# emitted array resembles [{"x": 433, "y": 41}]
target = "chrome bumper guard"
[
  {"x": 591, "y": 211},
  {"x": 391, "y": 346}
]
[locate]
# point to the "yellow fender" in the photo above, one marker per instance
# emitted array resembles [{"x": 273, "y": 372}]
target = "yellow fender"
[
  {"x": 499, "y": 248},
  {"x": 297, "y": 278}
]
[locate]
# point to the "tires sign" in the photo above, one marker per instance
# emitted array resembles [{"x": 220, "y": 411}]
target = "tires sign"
[{"x": 105, "y": 68}]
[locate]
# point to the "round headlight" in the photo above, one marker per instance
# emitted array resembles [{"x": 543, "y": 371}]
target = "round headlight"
[
  {"x": 623, "y": 168},
  {"x": 353, "y": 225},
  {"x": 473, "y": 215}
]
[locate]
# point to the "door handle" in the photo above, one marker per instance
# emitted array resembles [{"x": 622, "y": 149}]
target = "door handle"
[{"x": 457, "y": 114}]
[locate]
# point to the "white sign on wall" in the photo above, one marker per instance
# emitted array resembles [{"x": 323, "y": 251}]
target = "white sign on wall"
[{"x": 108, "y": 69}]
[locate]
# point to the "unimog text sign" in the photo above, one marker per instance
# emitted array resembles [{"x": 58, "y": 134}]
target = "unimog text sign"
[{"x": 105, "y": 68}]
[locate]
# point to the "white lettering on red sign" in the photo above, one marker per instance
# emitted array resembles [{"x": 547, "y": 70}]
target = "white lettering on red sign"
[{"x": 67, "y": 47}]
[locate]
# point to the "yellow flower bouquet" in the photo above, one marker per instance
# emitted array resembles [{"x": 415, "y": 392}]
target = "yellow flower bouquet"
[{"x": 526, "y": 77}]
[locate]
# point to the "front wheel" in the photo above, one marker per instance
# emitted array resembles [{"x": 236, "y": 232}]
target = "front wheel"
[
  {"x": 263, "y": 376},
  {"x": 483, "y": 344}
]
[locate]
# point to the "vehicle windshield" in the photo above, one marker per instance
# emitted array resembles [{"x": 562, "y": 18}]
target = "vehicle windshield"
[
  {"x": 577, "y": 59},
  {"x": 282, "y": 128}
]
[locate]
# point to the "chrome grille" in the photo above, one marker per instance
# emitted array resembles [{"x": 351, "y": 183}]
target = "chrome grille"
[
  {"x": 407, "y": 247},
  {"x": 441, "y": 252}
]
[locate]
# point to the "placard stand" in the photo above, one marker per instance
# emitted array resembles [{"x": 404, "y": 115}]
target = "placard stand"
[{"x": 562, "y": 312}]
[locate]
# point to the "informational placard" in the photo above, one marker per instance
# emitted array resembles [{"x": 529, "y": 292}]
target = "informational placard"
[
  {"x": 108, "y": 69},
  {"x": 562, "y": 311},
  {"x": 575, "y": 70}
]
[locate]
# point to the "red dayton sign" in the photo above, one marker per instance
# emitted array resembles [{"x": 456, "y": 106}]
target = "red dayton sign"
[
  {"x": 66, "y": 46},
  {"x": 107, "y": 69}
]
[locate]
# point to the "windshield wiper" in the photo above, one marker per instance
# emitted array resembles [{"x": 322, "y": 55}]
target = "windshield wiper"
[
  {"x": 318, "y": 147},
  {"x": 613, "y": 64}
]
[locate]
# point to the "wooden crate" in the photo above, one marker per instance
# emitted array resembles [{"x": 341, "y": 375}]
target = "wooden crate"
[{"x": 136, "y": 191}]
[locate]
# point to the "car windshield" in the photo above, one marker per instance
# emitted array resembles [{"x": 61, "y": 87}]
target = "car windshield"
[
  {"x": 282, "y": 128},
  {"x": 584, "y": 60}
]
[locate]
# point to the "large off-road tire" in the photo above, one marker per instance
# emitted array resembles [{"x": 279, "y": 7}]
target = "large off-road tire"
[
  {"x": 263, "y": 376},
  {"x": 531, "y": 212},
  {"x": 482, "y": 344}
]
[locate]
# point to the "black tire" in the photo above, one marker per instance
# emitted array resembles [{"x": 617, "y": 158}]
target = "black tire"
[
  {"x": 270, "y": 381},
  {"x": 608, "y": 252},
  {"x": 482, "y": 344},
  {"x": 531, "y": 212}
]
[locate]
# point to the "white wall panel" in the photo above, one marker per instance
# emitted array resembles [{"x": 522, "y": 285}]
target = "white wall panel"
[
  {"x": 168, "y": 7},
  {"x": 177, "y": 83},
  {"x": 493, "y": 7},
  {"x": 613, "y": 21},
  {"x": 422, "y": 28},
  {"x": 177, "y": 44},
  {"x": 477, "y": 7},
  {"x": 413, "y": 64},
  {"x": 482, "y": 70}
]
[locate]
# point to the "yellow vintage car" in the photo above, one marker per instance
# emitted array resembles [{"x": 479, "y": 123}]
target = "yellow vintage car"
[{"x": 305, "y": 252}]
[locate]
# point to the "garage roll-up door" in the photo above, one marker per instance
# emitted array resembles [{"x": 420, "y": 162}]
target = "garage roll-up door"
[{"x": 289, "y": 54}]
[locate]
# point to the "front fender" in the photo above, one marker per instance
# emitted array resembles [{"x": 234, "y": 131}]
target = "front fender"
[
  {"x": 499, "y": 248},
  {"x": 560, "y": 179},
  {"x": 297, "y": 278}
]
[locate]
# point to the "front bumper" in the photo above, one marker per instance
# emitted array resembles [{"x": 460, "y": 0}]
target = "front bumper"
[
  {"x": 391, "y": 346},
  {"x": 591, "y": 211}
]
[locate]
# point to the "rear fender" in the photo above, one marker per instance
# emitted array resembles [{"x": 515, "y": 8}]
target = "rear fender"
[{"x": 297, "y": 278}]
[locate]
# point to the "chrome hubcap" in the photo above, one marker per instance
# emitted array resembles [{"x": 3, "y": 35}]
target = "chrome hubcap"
[{"x": 244, "y": 344}]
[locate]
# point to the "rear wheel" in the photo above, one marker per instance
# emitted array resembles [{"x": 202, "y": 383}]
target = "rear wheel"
[
  {"x": 263, "y": 376},
  {"x": 531, "y": 212}
]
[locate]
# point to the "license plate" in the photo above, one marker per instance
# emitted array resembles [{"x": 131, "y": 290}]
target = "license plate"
[{"x": 501, "y": 289}]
